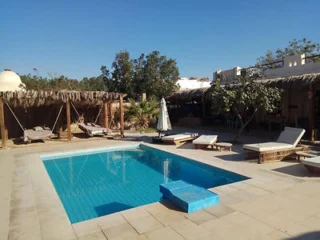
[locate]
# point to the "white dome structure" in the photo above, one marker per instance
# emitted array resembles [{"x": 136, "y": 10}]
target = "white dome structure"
[{"x": 10, "y": 81}]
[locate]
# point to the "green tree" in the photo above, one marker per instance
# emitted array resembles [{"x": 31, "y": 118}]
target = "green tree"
[
  {"x": 140, "y": 85},
  {"x": 295, "y": 47},
  {"x": 34, "y": 82},
  {"x": 109, "y": 83},
  {"x": 142, "y": 113},
  {"x": 161, "y": 75},
  {"x": 153, "y": 74},
  {"x": 92, "y": 84},
  {"x": 63, "y": 83},
  {"x": 244, "y": 99},
  {"x": 122, "y": 74},
  {"x": 55, "y": 83}
]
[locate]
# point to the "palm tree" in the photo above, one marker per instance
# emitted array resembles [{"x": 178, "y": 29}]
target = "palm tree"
[{"x": 142, "y": 113}]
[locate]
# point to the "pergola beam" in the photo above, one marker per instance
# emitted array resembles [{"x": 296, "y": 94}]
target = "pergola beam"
[
  {"x": 121, "y": 116},
  {"x": 2, "y": 125},
  {"x": 106, "y": 115},
  {"x": 69, "y": 133},
  {"x": 311, "y": 99}
]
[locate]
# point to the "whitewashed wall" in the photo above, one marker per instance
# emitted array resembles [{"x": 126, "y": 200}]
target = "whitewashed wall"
[{"x": 186, "y": 83}]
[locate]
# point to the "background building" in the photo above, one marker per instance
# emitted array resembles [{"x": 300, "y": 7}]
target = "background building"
[
  {"x": 10, "y": 81},
  {"x": 193, "y": 83}
]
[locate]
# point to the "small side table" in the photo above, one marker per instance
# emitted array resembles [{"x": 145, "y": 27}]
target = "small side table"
[{"x": 223, "y": 145}]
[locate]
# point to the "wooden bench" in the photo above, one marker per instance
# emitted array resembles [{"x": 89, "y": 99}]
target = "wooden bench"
[
  {"x": 273, "y": 155},
  {"x": 178, "y": 141},
  {"x": 223, "y": 145}
]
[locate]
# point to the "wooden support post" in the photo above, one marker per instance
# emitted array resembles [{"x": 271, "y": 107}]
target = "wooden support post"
[
  {"x": 68, "y": 120},
  {"x": 121, "y": 117},
  {"x": 2, "y": 125},
  {"x": 110, "y": 114},
  {"x": 203, "y": 105},
  {"x": 106, "y": 115},
  {"x": 311, "y": 99},
  {"x": 289, "y": 104}
]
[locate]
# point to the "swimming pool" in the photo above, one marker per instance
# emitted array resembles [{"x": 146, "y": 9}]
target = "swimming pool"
[{"x": 96, "y": 183}]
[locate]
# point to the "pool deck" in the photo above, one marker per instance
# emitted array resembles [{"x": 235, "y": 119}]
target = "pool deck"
[{"x": 280, "y": 201}]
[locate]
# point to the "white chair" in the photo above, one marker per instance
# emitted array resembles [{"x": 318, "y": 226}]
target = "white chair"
[
  {"x": 179, "y": 138},
  {"x": 204, "y": 141},
  {"x": 93, "y": 129},
  {"x": 285, "y": 145}
]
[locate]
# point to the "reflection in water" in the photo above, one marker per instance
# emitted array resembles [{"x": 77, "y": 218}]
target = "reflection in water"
[
  {"x": 71, "y": 169},
  {"x": 166, "y": 171}
]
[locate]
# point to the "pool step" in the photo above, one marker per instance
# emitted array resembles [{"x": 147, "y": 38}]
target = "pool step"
[{"x": 188, "y": 197}]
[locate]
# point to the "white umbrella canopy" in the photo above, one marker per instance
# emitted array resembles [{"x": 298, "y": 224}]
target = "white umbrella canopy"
[{"x": 164, "y": 123}]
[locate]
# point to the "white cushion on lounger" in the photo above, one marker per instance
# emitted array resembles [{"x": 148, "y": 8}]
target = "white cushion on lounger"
[
  {"x": 205, "y": 139},
  {"x": 291, "y": 135},
  {"x": 268, "y": 146},
  {"x": 179, "y": 136},
  {"x": 314, "y": 162}
]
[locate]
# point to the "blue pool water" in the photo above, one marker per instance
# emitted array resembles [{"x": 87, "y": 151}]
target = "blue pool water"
[{"x": 93, "y": 184}]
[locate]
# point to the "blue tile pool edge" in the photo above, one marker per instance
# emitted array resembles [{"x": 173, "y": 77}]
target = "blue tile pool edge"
[{"x": 53, "y": 156}]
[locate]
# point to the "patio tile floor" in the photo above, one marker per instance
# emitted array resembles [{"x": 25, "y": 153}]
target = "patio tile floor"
[{"x": 270, "y": 205}]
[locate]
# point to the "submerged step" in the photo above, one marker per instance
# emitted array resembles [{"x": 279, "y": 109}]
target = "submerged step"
[{"x": 189, "y": 197}]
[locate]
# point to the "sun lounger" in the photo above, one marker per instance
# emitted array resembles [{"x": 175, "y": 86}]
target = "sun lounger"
[
  {"x": 204, "y": 141},
  {"x": 179, "y": 138},
  {"x": 312, "y": 164},
  {"x": 286, "y": 144},
  {"x": 92, "y": 129},
  {"x": 37, "y": 133}
]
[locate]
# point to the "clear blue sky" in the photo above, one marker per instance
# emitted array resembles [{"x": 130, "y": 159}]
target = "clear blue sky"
[{"x": 75, "y": 38}]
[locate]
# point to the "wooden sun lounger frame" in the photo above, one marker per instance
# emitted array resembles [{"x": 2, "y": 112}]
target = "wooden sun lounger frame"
[
  {"x": 39, "y": 135},
  {"x": 203, "y": 146},
  {"x": 178, "y": 141},
  {"x": 87, "y": 130},
  {"x": 273, "y": 155}
]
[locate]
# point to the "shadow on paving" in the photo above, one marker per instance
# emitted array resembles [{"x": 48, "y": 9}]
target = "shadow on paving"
[
  {"x": 170, "y": 205},
  {"x": 186, "y": 145},
  {"x": 138, "y": 138},
  {"x": 232, "y": 157},
  {"x": 306, "y": 236},
  {"x": 80, "y": 135},
  {"x": 297, "y": 170}
]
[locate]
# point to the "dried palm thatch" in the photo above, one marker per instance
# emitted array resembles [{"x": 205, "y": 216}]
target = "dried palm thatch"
[
  {"x": 40, "y": 98},
  {"x": 188, "y": 95},
  {"x": 300, "y": 80},
  {"x": 282, "y": 82}
]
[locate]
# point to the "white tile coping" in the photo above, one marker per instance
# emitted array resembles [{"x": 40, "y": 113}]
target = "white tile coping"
[
  {"x": 43, "y": 184},
  {"x": 52, "y": 156}
]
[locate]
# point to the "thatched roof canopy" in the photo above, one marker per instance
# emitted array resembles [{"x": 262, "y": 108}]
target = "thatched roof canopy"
[
  {"x": 283, "y": 82},
  {"x": 187, "y": 95},
  {"x": 299, "y": 81},
  {"x": 39, "y": 98}
]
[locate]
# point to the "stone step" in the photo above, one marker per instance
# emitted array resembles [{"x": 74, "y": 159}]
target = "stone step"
[{"x": 188, "y": 197}]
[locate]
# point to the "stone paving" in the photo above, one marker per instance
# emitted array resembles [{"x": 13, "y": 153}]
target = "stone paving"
[{"x": 279, "y": 201}]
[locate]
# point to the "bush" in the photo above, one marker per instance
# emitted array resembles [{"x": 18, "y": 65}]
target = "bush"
[{"x": 142, "y": 114}]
